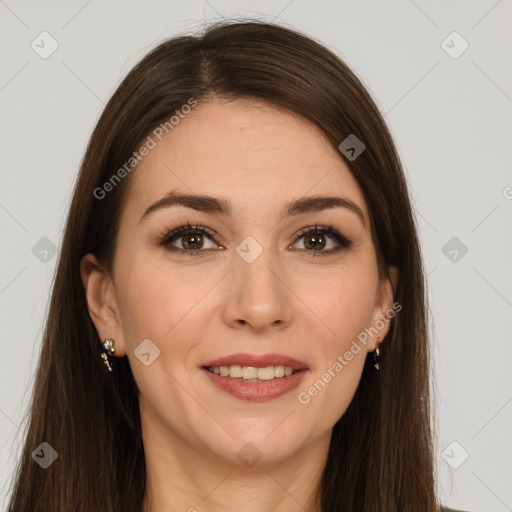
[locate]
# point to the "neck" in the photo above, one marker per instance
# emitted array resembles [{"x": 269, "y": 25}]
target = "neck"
[{"x": 180, "y": 477}]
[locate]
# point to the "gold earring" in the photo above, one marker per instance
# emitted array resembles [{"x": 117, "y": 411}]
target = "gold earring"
[
  {"x": 106, "y": 351},
  {"x": 376, "y": 354}
]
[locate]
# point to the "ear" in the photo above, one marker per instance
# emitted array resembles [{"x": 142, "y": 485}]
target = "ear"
[
  {"x": 384, "y": 309},
  {"x": 101, "y": 303}
]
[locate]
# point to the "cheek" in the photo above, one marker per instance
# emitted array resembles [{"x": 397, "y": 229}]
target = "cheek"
[
  {"x": 333, "y": 382},
  {"x": 345, "y": 302},
  {"x": 170, "y": 306},
  {"x": 167, "y": 306},
  {"x": 155, "y": 298}
]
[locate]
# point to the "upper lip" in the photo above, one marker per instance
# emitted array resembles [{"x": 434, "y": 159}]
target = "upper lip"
[{"x": 259, "y": 361}]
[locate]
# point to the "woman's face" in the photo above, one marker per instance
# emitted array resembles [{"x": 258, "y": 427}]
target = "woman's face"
[{"x": 262, "y": 283}]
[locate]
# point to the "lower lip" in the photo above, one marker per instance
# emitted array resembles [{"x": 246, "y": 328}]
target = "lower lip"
[{"x": 257, "y": 391}]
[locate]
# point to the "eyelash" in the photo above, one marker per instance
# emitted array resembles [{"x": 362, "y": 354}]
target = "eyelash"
[{"x": 168, "y": 237}]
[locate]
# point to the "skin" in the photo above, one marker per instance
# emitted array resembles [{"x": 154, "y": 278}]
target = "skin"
[{"x": 199, "y": 308}]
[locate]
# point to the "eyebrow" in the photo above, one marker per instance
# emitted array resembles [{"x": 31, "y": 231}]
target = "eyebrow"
[{"x": 218, "y": 205}]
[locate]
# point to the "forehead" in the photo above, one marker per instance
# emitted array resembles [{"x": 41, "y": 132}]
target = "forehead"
[{"x": 253, "y": 154}]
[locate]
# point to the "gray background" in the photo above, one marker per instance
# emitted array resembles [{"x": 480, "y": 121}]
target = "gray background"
[{"x": 449, "y": 116}]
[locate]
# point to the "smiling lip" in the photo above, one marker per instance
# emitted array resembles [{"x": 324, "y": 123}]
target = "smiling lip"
[
  {"x": 258, "y": 361},
  {"x": 257, "y": 391}
]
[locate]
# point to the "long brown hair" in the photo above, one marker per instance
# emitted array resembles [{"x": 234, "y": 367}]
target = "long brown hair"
[{"x": 380, "y": 456}]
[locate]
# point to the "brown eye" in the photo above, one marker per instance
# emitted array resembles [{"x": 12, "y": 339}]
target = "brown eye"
[
  {"x": 315, "y": 242},
  {"x": 190, "y": 240},
  {"x": 322, "y": 241}
]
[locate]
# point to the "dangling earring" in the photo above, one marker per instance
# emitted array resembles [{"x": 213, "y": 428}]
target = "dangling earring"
[
  {"x": 376, "y": 354},
  {"x": 106, "y": 351}
]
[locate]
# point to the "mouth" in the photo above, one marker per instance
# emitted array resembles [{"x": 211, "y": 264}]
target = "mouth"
[
  {"x": 253, "y": 373},
  {"x": 256, "y": 378},
  {"x": 253, "y": 367}
]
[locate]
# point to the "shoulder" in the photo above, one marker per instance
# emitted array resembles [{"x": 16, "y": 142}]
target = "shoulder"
[{"x": 446, "y": 509}]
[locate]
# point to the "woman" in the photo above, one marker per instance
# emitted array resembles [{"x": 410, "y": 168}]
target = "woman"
[{"x": 238, "y": 318}]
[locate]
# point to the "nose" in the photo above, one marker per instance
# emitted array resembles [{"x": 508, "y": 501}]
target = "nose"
[{"x": 258, "y": 296}]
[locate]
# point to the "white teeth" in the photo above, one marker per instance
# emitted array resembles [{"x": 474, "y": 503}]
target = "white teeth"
[
  {"x": 266, "y": 373},
  {"x": 252, "y": 373},
  {"x": 248, "y": 372},
  {"x": 278, "y": 371},
  {"x": 235, "y": 371}
]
